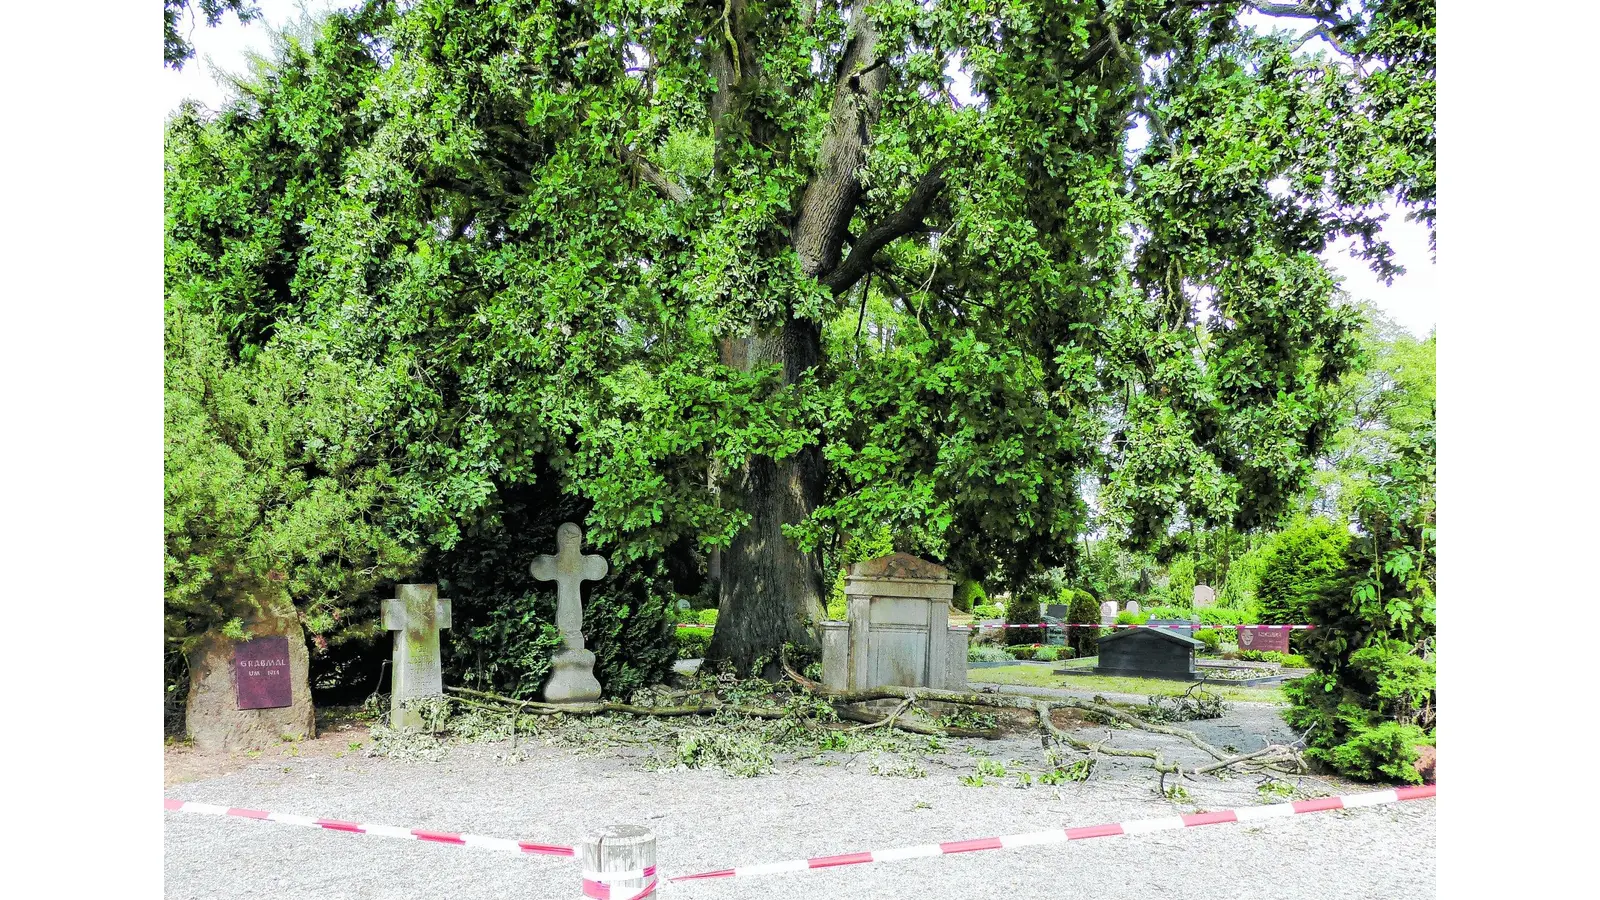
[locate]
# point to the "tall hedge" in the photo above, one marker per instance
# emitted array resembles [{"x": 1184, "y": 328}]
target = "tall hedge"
[
  {"x": 1303, "y": 560},
  {"x": 1083, "y": 610}
]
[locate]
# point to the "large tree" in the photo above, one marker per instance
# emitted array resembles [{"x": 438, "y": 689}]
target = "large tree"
[{"x": 634, "y": 246}]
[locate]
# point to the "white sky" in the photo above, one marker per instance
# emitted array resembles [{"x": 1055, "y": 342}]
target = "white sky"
[{"x": 1412, "y": 300}]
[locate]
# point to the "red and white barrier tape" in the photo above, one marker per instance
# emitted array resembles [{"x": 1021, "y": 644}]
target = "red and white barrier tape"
[
  {"x": 594, "y": 883},
  {"x": 1192, "y": 625},
  {"x": 1059, "y": 835},
  {"x": 412, "y": 834}
]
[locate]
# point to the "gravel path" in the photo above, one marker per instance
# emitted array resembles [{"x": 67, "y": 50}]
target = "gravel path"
[{"x": 707, "y": 820}]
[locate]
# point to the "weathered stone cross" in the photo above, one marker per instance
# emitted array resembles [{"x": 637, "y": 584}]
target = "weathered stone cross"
[
  {"x": 418, "y": 614},
  {"x": 572, "y": 680}
]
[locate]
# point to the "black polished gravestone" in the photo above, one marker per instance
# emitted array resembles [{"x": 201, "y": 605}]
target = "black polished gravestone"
[
  {"x": 1055, "y": 617},
  {"x": 1148, "y": 653}
]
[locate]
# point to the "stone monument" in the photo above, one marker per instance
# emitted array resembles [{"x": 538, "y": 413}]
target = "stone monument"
[
  {"x": 1148, "y": 653},
  {"x": 416, "y": 616},
  {"x": 1204, "y": 596},
  {"x": 1108, "y": 613},
  {"x": 898, "y": 628},
  {"x": 1273, "y": 639},
  {"x": 1132, "y": 607},
  {"x": 254, "y": 693},
  {"x": 572, "y": 671}
]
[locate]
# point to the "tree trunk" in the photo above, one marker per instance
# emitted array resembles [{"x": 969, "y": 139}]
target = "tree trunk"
[{"x": 771, "y": 591}]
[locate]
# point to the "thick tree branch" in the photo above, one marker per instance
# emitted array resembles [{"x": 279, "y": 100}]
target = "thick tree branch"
[
  {"x": 1141, "y": 97},
  {"x": 830, "y": 198},
  {"x": 1321, "y": 31},
  {"x": 906, "y": 220},
  {"x": 658, "y": 179},
  {"x": 1285, "y": 10}
]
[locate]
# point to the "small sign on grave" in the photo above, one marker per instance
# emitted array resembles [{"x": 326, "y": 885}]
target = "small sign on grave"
[
  {"x": 261, "y": 673},
  {"x": 1264, "y": 639}
]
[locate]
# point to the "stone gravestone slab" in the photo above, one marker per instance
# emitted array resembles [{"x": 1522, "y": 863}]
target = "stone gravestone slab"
[
  {"x": 261, "y": 673},
  {"x": 1204, "y": 596},
  {"x": 1108, "y": 612},
  {"x": 1264, "y": 639},
  {"x": 572, "y": 671},
  {"x": 1055, "y": 616},
  {"x": 1132, "y": 607},
  {"x": 416, "y": 615},
  {"x": 1148, "y": 653}
]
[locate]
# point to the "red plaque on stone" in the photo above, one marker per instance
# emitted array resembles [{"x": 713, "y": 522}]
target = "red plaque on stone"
[
  {"x": 1264, "y": 639},
  {"x": 261, "y": 673}
]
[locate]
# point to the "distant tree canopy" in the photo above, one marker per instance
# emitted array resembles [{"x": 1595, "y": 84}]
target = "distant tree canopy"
[
  {"x": 757, "y": 278},
  {"x": 176, "y": 47}
]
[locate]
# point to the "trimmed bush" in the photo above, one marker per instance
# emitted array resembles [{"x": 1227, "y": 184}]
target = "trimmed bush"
[
  {"x": 1287, "y": 660},
  {"x": 988, "y": 653},
  {"x": 693, "y": 642},
  {"x": 706, "y": 617},
  {"x": 1083, "y": 610},
  {"x": 1024, "y": 611},
  {"x": 1303, "y": 561},
  {"x": 969, "y": 595},
  {"x": 988, "y": 611}
]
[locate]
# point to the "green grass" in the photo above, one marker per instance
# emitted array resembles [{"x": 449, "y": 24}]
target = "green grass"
[{"x": 1040, "y": 676}]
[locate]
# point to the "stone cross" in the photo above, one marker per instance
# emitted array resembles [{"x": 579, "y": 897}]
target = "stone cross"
[
  {"x": 572, "y": 679},
  {"x": 418, "y": 614}
]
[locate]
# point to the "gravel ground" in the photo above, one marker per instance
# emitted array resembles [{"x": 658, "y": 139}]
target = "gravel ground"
[{"x": 707, "y": 820}]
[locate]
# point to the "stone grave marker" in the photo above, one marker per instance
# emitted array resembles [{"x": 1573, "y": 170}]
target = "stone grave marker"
[
  {"x": 416, "y": 616},
  {"x": 1264, "y": 639},
  {"x": 1204, "y": 596},
  {"x": 1132, "y": 607},
  {"x": 1055, "y": 614},
  {"x": 261, "y": 673},
  {"x": 1148, "y": 653},
  {"x": 572, "y": 670},
  {"x": 1108, "y": 613},
  {"x": 230, "y": 709},
  {"x": 898, "y": 628}
]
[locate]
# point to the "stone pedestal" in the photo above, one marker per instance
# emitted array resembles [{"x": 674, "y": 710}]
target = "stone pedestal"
[
  {"x": 214, "y": 719},
  {"x": 572, "y": 678},
  {"x": 898, "y": 631}
]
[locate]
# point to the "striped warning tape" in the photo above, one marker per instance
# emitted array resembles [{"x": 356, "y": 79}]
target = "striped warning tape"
[
  {"x": 1059, "y": 835},
  {"x": 1191, "y": 625},
  {"x": 594, "y": 883},
  {"x": 412, "y": 834}
]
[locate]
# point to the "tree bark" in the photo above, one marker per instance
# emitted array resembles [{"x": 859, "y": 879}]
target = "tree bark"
[{"x": 771, "y": 591}]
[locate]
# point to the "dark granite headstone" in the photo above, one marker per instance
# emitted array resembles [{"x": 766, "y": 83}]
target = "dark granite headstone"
[
  {"x": 261, "y": 673},
  {"x": 1055, "y": 615},
  {"x": 1264, "y": 639},
  {"x": 1148, "y": 653}
]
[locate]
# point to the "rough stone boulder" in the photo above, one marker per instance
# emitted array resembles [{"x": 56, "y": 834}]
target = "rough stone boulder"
[
  {"x": 1426, "y": 757},
  {"x": 213, "y": 719}
]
